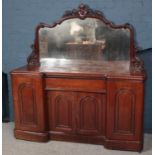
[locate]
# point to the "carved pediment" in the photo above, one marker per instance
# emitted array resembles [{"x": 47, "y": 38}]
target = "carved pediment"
[{"x": 83, "y": 11}]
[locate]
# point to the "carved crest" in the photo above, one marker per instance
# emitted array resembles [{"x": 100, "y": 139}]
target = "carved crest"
[{"x": 82, "y": 12}]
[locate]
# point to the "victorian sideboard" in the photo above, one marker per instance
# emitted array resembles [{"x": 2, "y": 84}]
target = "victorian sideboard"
[{"x": 83, "y": 83}]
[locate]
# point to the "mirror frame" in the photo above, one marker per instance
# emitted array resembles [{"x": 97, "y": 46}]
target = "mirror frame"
[{"x": 82, "y": 12}]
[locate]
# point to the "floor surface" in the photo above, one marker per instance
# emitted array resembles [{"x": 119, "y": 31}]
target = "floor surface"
[{"x": 12, "y": 146}]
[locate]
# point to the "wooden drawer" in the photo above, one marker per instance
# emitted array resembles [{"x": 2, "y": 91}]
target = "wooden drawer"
[{"x": 75, "y": 84}]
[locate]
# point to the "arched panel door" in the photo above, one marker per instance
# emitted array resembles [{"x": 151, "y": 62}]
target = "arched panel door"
[
  {"x": 61, "y": 111},
  {"x": 124, "y": 110},
  {"x": 90, "y": 111},
  {"x": 29, "y": 110}
]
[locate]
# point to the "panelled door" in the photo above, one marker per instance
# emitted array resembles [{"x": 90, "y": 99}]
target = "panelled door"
[
  {"x": 76, "y": 112},
  {"x": 89, "y": 109},
  {"x": 124, "y": 110},
  {"x": 29, "y": 108},
  {"x": 61, "y": 111}
]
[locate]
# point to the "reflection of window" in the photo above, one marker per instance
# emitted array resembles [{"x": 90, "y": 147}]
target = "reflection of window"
[
  {"x": 75, "y": 28},
  {"x": 83, "y": 31}
]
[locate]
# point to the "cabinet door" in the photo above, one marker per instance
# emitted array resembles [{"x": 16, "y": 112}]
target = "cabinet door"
[
  {"x": 125, "y": 110},
  {"x": 61, "y": 111},
  {"x": 89, "y": 117},
  {"x": 28, "y": 102}
]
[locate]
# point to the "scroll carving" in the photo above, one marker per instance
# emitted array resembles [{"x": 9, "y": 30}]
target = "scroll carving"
[
  {"x": 136, "y": 66},
  {"x": 82, "y": 12},
  {"x": 33, "y": 59}
]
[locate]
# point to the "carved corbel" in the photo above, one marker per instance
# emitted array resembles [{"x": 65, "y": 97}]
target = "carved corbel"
[
  {"x": 136, "y": 66},
  {"x": 33, "y": 59}
]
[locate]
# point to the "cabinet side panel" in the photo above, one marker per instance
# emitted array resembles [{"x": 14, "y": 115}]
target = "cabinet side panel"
[
  {"x": 28, "y": 96},
  {"x": 125, "y": 110}
]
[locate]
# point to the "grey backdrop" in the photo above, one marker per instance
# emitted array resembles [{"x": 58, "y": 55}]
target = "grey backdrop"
[{"x": 21, "y": 16}]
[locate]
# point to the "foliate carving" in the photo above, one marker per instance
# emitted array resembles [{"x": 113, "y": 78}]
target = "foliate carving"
[
  {"x": 33, "y": 59},
  {"x": 82, "y": 12},
  {"x": 137, "y": 65}
]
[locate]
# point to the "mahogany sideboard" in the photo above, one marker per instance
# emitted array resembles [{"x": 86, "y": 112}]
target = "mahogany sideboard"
[{"x": 86, "y": 88}]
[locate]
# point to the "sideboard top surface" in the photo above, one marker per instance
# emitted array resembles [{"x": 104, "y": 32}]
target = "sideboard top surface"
[{"x": 82, "y": 68}]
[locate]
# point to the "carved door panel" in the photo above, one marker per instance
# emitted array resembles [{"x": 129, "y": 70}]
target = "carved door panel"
[
  {"x": 61, "y": 111},
  {"x": 28, "y": 102},
  {"x": 89, "y": 115},
  {"x": 124, "y": 110}
]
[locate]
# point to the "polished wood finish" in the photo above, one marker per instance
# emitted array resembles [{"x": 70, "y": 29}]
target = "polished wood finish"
[
  {"x": 124, "y": 110},
  {"x": 90, "y": 110},
  {"x": 98, "y": 102},
  {"x": 61, "y": 111},
  {"x": 104, "y": 110},
  {"x": 75, "y": 84},
  {"x": 29, "y": 107}
]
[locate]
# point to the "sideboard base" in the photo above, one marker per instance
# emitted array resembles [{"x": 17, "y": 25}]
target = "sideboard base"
[
  {"x": 123, "y": 145},
  {"x": 31, "y": 136},
  {"x": 101, "y": 140},
  {"x": 77, "y": 138}
]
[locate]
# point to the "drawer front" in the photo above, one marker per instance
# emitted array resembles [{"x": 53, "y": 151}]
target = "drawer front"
[{"x": 75, "y": 84}]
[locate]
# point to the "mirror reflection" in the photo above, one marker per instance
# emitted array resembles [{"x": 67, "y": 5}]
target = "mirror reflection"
[{"x": 88, "y": 39}]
